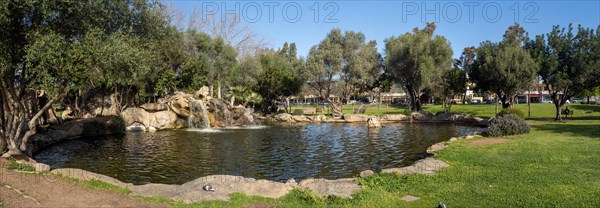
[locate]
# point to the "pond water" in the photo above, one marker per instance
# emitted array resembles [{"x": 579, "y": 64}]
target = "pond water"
[{"x": 274, "y": 152}]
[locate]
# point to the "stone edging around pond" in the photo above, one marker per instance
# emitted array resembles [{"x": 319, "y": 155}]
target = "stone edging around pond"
[
  {"x": 225, "y": 185},
  {"x": 421, "y": 116}
]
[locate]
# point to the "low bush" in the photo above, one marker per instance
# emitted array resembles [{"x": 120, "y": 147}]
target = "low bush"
[
  {"x": 507, "y": 124},
  {"x": 117, "y": 124},
  {"x": 511, "y": 111},
  {"x": 298, "y": 112}
]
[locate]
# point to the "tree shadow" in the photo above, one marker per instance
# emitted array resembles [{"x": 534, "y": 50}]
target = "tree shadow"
[
  {"x": 586, "y": 130},
  {"x": 586, "y": 109}
]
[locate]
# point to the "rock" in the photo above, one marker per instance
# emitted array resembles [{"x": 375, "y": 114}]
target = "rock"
[
  {"x": 394, "y": 117},
  {"x": 135, "y": 115},
  {"x": 136, "y": 128},
  {"x": 421, "y": 116},
  {"x": 353, "y": 118},
  {"x": 6, "y": 155},
  {"x": 309, "y": 111},
  {"x": 151, "y": 129},
  {"x": 428, "y": 166},
  {"x": 366, "y": 173},
  {"x": 300, "y": 118},
  {"x": 283, "y": 117},
  {"x": 153, "y": 107},
  {"x": 481, "y": 121},
  {"x": 344, "y": 187},
  {"x": 163, "y": 120},
  {"x": 317, "y": 118},
  {"x": 409, "y": 198},
  {"x": 41, "y": 167},
  {"x": 202, "y": 93},
  {"x": 291, "y": 182},
  {"x": 452, "y": 139},
  {"x": 226, "y": 185},
  {"x": 448, "y": 117},
  {"x": 373, "y": 123},
  {"x": 436, "y": 147}
]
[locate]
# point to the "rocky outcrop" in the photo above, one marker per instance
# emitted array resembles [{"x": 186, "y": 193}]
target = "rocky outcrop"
[
  {"x": 75, "y": 129},
  {"x": 455, "y": 117},
  {"x": 159, "y": 120},
  {"x": 394, "y": 118},
  {"x": 353, "y": 118},
  {"x": 428, "y": 166},
  {"x": 153, "y": 107},
  {"x": 421, "y": 116},
  {"x": 286, "y": 117}
]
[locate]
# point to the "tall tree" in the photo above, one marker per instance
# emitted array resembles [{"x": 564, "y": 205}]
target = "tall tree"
[
  {"x": 343, "y": 64},
  {"x": 568, "y": 62},
  {"x": 416, "y": 60}
]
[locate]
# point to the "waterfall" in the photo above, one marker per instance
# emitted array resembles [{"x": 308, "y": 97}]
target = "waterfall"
[{"x": 198, "y": 123}]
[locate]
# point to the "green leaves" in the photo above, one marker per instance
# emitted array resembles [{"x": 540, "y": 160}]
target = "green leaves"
[{"x": 417, "y": 60}]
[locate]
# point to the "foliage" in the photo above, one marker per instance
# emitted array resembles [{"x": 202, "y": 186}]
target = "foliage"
[
  {"x": 280, "y": 77},
  {"x": 13, "y": 165},
  {"x": 117, "y": 124},
  {"x": 511, "y": 111},
  {"x": 507, "y": 124},
  {"x": 503, "y": 69},
  {"x": 416, "y": 60},
  {"x": 298, "y": 112},
  {"x": 568, "y": 62}
]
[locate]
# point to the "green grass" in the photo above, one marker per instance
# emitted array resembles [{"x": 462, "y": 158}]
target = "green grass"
[
  {"x": 13, "y": 165},
  {"x": 95, "y": 184},
  {"x": 538, "y": 110}
]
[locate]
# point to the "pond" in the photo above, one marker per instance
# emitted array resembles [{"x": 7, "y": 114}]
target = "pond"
[{"x": 274, "y": 152}]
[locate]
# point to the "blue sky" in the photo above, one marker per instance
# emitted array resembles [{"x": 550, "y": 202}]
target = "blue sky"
[{"x": 463, "y": 23}]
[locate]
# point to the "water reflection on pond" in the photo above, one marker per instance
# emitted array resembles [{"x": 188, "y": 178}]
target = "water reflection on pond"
[{"x": 276, "y": 152}]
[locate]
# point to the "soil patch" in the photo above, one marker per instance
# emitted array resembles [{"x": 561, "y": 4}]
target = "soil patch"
[
  {"x": 18, "y": 189},
  {"x": 490, "y": 141}
]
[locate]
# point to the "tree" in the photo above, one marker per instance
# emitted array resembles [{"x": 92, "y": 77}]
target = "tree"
[
  {"x": 343, "y": 64},
  {"x": 416, "y": 60},
  {"x": 278, "y": 78},
  {"x": 46, "y": 51},
  {"x": 568, "y": 62}
]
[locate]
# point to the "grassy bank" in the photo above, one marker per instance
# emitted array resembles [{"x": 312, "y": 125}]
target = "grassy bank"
[{"x": 538, "y": 110}]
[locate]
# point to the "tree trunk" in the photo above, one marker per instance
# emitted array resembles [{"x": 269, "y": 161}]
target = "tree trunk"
[
  {"x": 219, "y": 89},
  {"x": 558, "y": 111},
  {"x": 32, "y": 129}
]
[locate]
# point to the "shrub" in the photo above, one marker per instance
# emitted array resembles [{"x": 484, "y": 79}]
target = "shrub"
[
  {"x": 507, "y": 124},
  {"x": 511, "y": 111},
  {"x": 298, "y": 112},
  {"x": 117, "y": 124}
]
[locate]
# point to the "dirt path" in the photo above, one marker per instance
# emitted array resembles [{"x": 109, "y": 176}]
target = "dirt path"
[{"x": 31, "y": 190}]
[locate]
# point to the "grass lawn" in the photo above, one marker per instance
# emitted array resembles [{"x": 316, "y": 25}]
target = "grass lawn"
[
  {"x": 538, "y": 110},
  {"x": 556, "y": 165}
]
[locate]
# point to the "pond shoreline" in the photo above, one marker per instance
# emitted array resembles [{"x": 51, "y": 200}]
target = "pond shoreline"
[{"x": 226, "y": 185}]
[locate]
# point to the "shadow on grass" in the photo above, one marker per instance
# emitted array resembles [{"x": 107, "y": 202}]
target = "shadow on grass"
[
  {"x": 585, "y": 109},
  {"x": 586, "y": 130}
]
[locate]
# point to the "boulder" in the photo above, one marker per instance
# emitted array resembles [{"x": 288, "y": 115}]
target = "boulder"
[
  {"x": 136, "y": 115},
  {"x": 225, "y": 185},
  {"x": 202, "y": 93},
  {"x": 366, "y": 173},
  {"x": 283, "y": 117},
  {"x": 300, "y": 118},
  {"x": 373, "y": 123},
  {"x": 41, "y": 167},
  {"x": 153, "y": 107},
  {"x": 317, "y": 118},
  {"x": 448, "y": 117},
  {"x": 428, "y": 166},
  {"x": 163, "y": 120},
  {"x": 421, "y": 116},
  {"x": 344, "y": 187},
  {"x": 352, "y": 118},
  {"x": 394, "y": 117}
]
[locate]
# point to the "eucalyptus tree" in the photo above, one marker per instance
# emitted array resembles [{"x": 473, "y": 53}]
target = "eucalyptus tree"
[
  {"x": 416, "y": 60},
  {"x": 568, "y": 62}
]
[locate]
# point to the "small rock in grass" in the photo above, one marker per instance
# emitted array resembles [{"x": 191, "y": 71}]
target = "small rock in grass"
[
  {"x": 410, "y": 198},
  {"x": 366, "y": 173}
]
